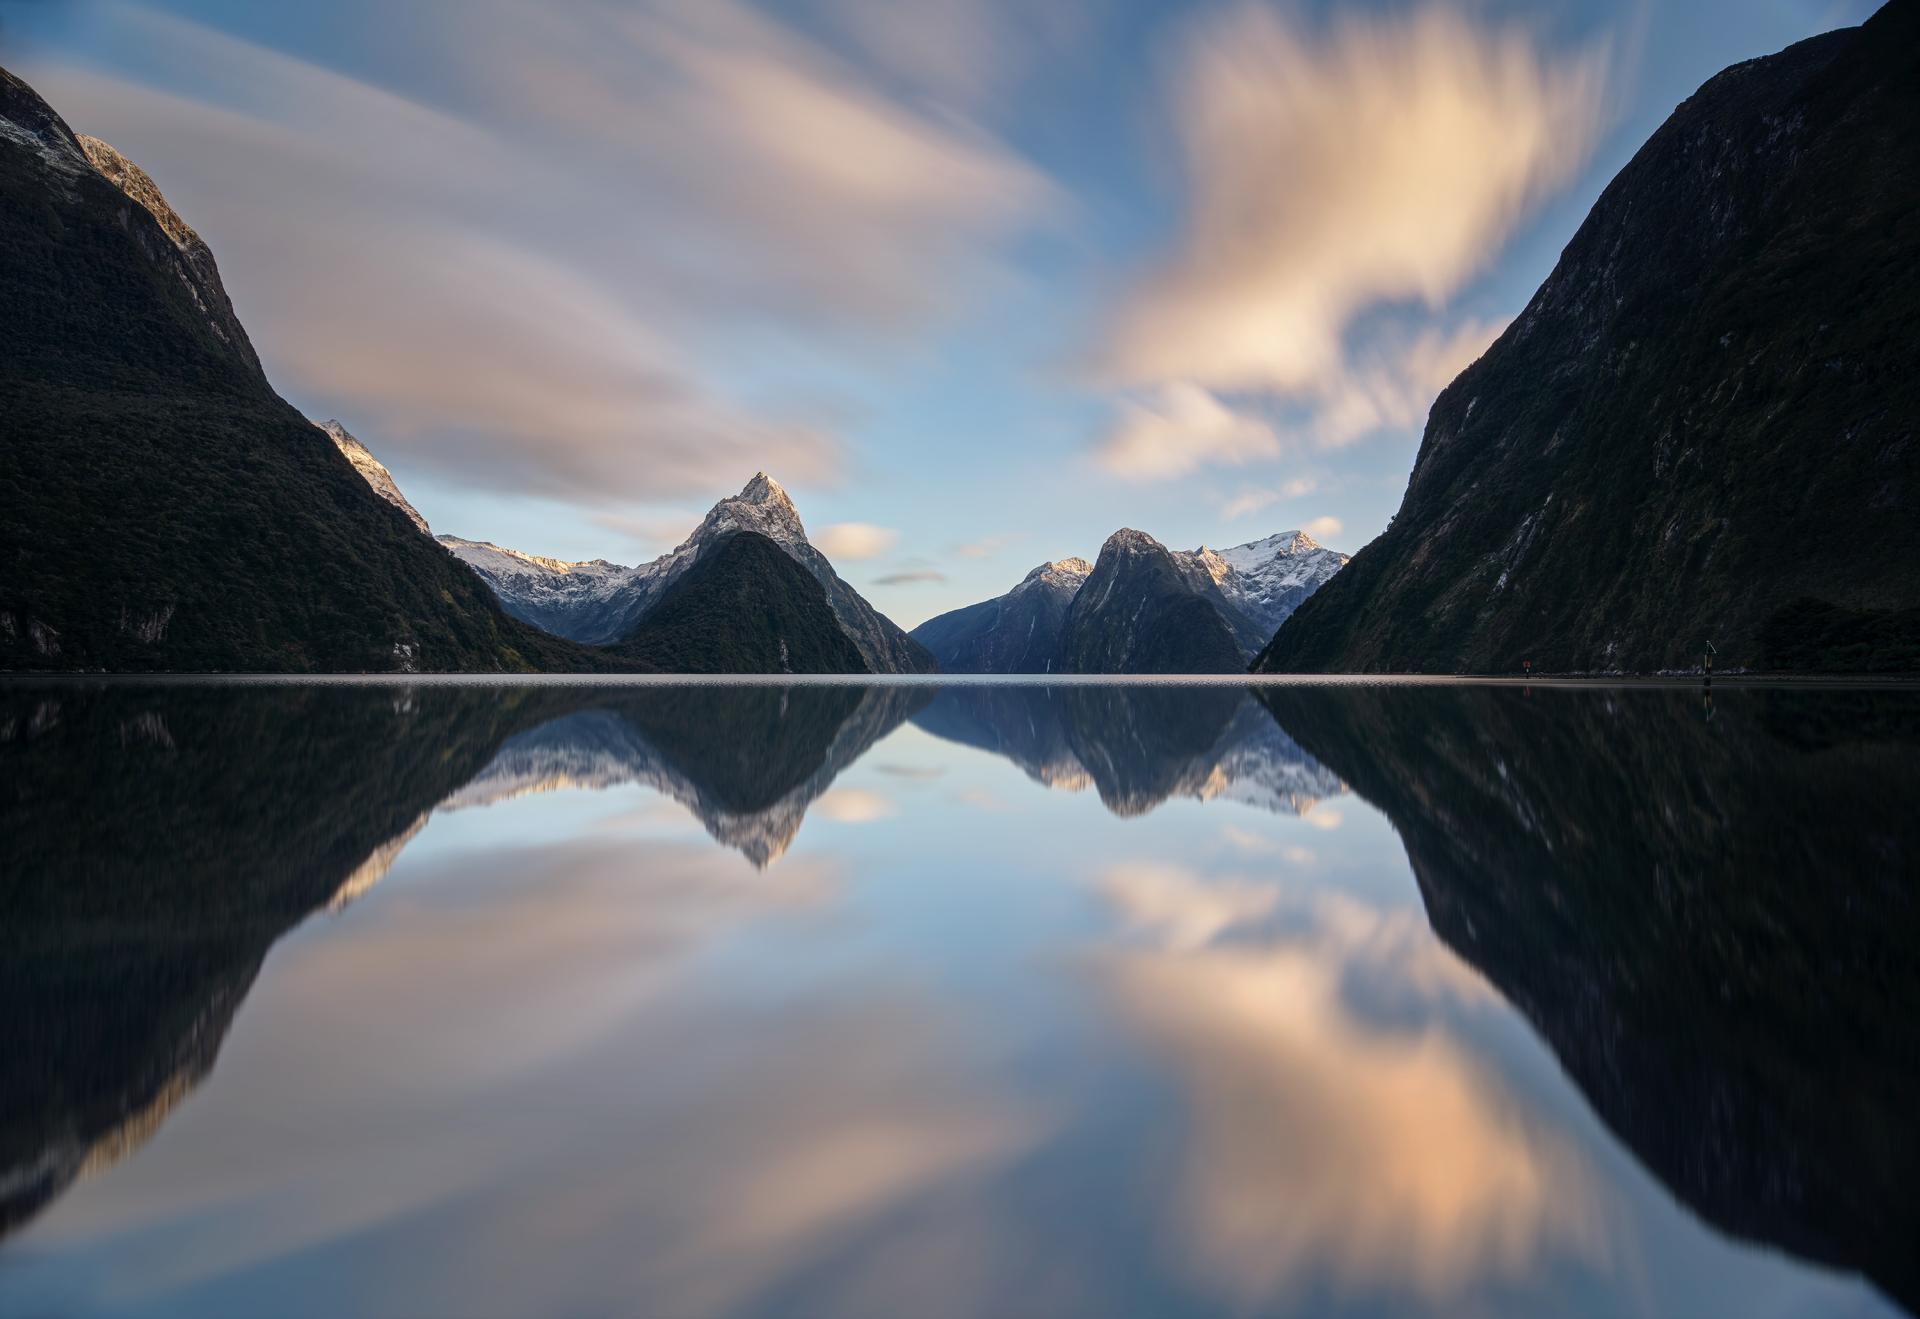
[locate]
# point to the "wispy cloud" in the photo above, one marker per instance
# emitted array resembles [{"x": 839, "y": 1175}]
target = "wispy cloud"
[
  {"x": 657, "y": 535},
  {"x": 1384, "y": 159},
  {"x": 1179, "y": 427},
  {"x": 1379, "y": 162},
  {"x": 911, "y": 578},
  {"x": 445, "y": 277},
  {"x": 1250, "y": 500},
  {"x": 988, "y": 546}
]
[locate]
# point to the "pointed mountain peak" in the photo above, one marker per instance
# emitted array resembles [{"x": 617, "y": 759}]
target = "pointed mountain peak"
[
  {"x": 1128, "y": 541},
  {"x": 1059, "y": 571},
  {"x": 762, "y": 505},
  {"x": 763, "y": 489}
]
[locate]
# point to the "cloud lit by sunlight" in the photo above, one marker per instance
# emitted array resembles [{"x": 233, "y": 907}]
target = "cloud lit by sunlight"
[
  {"x": 854, "y": 806},
  {"x": 1385, "y": 159},
  {"x": 1178, "y": 428},
  {"x": 1382, "y": 161},
  {"x": 855, "y": 540},
  {"x": 1252, "y": 499}
]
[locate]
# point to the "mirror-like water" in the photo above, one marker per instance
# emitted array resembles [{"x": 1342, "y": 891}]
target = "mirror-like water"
[{"x": 978, "y": 1000}]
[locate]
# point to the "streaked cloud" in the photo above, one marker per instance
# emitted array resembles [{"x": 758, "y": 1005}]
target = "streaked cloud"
[
  {"x": 910, "y": 578},
  {"x": 855, "y": 540},
  {"x": 563, "y": 275},
  {"x": 1393, "y": 384},
  {"x": 1178, "y": 427},
  {"x": 1250, "y": 499},
  {"x": 1384, "y": 159},
  {"x": 655, "y": 534},
  {"x": 988, "y": 546},
  {"x": 1377, "y": 163}
]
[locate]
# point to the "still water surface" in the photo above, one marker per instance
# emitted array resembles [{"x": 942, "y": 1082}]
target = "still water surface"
[{"x": 979, "y": 1000}]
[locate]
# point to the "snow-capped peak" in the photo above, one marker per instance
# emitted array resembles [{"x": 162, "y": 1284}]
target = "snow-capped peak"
[
  {"x": 1268, "y": 578},
  {"x": 1281, "y": 542},
  {"x": 1127, "y": 540},
  {"x": 762, "y": 505},
  {"x": 1066, "y": 574}
]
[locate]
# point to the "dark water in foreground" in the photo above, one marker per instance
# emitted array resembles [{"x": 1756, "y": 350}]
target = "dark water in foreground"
[{"x": 985, "y": 1000}]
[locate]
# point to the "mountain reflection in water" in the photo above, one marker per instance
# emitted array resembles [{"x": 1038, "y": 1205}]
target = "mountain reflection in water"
[{"x": 1709, "y": 921}]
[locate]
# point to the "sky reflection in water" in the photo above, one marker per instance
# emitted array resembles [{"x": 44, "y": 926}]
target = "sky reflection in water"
[{"x": 877, "y": 1001}]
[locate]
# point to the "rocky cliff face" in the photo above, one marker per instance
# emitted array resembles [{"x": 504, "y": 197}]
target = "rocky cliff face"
[
  {"x": 165, "y": 509},
  {"x": 192, "y": 259},
  {"x": 1704, "y": 425},
  {"x": 1141, "y": 612}
]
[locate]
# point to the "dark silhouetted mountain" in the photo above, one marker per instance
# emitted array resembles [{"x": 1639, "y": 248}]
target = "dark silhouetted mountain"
[
  {"x": 745, "y": 606},
  {"x": 165, "y": 509},
  {"x": 1254, "y": 587},
  {"x": 1140, "y": 612},
  {"x": 1019, "y": 632},
  {"x": 1706, "y": 910},
  {"x": 602, "y": 603},
  {"x": 1703, "y": 426}
]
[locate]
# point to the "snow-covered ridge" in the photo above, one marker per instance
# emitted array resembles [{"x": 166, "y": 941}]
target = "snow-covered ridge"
[
  {"x": 1269, "y": 578},
  {"x": 1058, "y": 574}
]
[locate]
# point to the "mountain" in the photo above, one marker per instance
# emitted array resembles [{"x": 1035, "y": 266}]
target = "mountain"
[
  {"x": 1703, "y": 426},
  {"x": 1137, "y": 746},
  {"x": 1253, "y": 588},
  {"x": 601, "y": 603},
  {"x": 374, "y": 471},
  {"x": 581, "y": 600},
  {"x": 1018, "y": 632},
  {"x": 1141, "y": 611},
  {"x": 1703, "y": 912},
  {"x": 744, "y": 606},
  {"x": 165, "y": 509},
  {"x": 1271, "y": 578}
]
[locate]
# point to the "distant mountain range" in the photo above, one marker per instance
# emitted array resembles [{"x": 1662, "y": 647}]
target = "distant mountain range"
[
  {"x": 1706, "y": 424},
  {"x": 601, "y": 603},
  {"x": 1140, "y": 608}
]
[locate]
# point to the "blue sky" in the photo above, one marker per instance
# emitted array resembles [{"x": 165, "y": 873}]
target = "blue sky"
[{"x": 979, "y": 280}]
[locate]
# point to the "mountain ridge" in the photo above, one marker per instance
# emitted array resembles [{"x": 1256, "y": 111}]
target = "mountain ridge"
[
  {"x": 168, "y": 510},
  {"x": 1251, "y": 587},
  {"x": 1723, "y": 350}
]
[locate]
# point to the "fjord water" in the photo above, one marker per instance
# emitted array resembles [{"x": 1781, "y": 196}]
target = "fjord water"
[{"x": 1099, "y": 999}]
